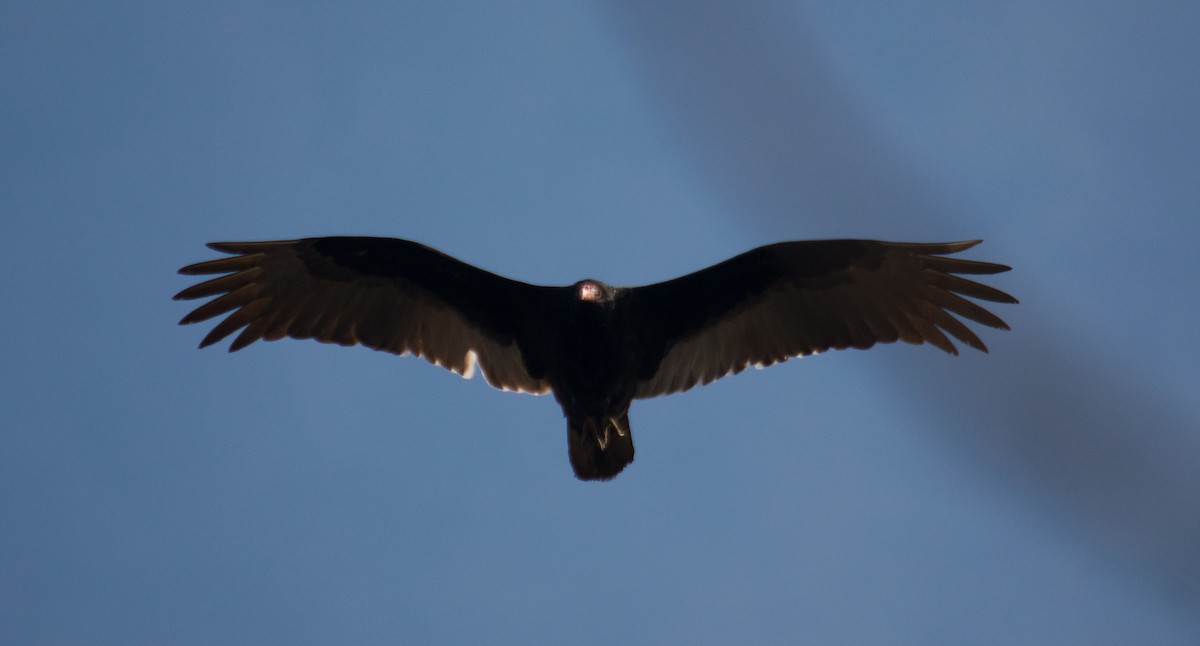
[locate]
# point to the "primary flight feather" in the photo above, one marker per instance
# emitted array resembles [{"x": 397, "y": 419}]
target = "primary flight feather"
[{"x": 596, "y": 347}]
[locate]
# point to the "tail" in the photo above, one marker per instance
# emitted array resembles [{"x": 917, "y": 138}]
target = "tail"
[{"x": 599, "y": 447}]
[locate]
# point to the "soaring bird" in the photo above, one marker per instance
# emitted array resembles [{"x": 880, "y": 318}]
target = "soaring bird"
[{"x": 596, "y": 347}]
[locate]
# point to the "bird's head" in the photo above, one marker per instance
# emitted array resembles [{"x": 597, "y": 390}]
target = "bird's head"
[{"x": 593, "y": 291}]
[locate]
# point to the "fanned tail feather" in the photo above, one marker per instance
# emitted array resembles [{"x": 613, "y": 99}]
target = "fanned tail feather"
[{"x": 599, "y": 447}]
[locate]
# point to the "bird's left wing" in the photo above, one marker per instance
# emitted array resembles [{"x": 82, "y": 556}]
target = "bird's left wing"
[
  {"x": 387, "y": 294},
  {"x": 797, "y": 298}
]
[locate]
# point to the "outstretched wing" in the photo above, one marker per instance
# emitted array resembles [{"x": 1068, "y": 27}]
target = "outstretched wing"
[
  {"x": 798, "y": 298},
  {"x": 387, "y": 294}
]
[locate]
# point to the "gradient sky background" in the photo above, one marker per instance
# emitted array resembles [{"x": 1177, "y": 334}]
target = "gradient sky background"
[{"x": 1047, "y": 493}]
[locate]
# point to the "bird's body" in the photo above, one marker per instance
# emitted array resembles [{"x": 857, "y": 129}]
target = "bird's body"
[
  {"x": 593, "y": 327},
  {"x": 596, "y": 347}
]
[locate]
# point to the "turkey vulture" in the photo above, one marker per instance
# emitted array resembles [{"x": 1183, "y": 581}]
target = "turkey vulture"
[{"x": 596, "y": 347}]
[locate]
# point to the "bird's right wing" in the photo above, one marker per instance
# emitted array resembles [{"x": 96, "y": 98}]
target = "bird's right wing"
[
  {"x": 798, "y": 298},
  {"x": 386, "y": 294}
]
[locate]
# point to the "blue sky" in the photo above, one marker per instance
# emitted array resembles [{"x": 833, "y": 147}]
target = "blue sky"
[{"x": 297, "y": 493}]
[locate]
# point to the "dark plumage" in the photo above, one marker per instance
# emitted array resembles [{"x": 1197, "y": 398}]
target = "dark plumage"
[{"x": 596, "y": 347}]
